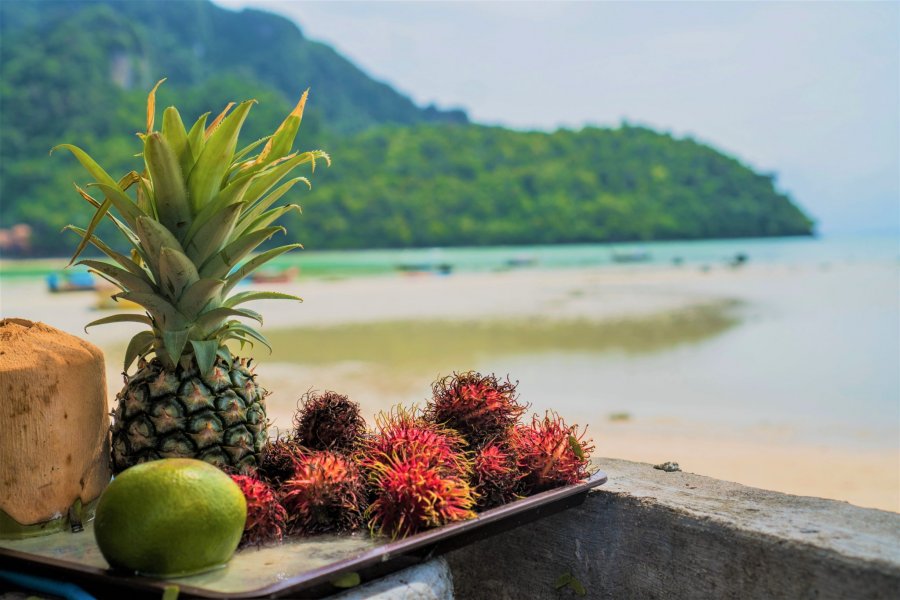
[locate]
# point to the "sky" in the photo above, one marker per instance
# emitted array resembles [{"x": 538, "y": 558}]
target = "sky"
[{"x": 807, "y": 90}]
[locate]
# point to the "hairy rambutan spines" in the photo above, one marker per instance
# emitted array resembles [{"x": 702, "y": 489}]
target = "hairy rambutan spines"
[
  {"x": 266, "y": 517},
  {"x": 411, "y": 494},
  {"x": 278, "y": 460},
  {"x": 325, "y": 493},
  {"x": 404, "y": 434},
  {"x": 479, "y": 406},
  {"x": 550, "y": 453},
  {"x": 495, "y": 474},
  {"x": 328, "y": 421}
]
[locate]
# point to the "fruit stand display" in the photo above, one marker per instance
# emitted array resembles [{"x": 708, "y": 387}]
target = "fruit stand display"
[{"x": 196, "y": 470}]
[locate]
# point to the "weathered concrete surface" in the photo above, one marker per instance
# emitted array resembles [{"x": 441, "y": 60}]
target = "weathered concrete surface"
[
  {"x": 428, "y": 581},
  {"x": 652, "y": 534}
]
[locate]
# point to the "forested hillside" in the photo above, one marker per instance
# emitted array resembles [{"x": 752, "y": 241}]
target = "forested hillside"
[
  {"x": 472, "y": 185},
  {"x": 78, "y": 71}
]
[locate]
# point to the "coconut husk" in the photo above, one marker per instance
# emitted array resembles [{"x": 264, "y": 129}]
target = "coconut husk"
[{"x": 54, "y": 421}]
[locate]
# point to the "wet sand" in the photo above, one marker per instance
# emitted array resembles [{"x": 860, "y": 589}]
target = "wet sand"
[{"x": 381, "y": 339}]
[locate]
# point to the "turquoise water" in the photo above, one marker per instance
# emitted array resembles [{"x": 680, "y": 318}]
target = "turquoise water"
[{"x": 796, "y": 250}]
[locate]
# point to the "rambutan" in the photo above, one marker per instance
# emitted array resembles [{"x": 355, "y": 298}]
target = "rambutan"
[
  {"x": 495, "y": 474},
  {"x": 278, "y": 460},
  {"x": 266, "y": 517},
  {"x": 479, "y": 406},
  {"x": 405, "y": 434},
  {"x": 412, "y": 494},
  {"x": 550, "y": 453},
  {"x": 325, "y": 493},
  {"x": 328, "y": 421}
]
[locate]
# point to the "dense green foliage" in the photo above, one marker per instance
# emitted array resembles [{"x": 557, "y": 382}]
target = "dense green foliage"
[
  {"x": 472, "y": 185},
  {"x": 78, "y": 71}
]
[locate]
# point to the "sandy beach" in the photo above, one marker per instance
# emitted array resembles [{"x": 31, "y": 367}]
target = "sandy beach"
[{"x": 617, "y": 305}]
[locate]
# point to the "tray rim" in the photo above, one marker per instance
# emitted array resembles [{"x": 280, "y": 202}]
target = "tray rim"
[{"x": 328, "y": 573}]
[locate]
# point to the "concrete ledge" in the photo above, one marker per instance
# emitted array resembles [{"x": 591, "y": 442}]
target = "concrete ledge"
[
  {"x": 652, "y": 534},
  {"x": 428, "y": 581}
]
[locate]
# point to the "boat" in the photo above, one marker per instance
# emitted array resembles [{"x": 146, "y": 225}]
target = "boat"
[
  {"x": 424, "y": 268},
  {"x": 71, "y": 282},
  {"x": 637, "y": 255},
  {"x": 283, "y": 276}
]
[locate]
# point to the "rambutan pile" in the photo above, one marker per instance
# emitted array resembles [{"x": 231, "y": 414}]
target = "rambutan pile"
[
  {"x": 466, "y": 451},
  {"x": 328, "y": 421},
  {"x": 325, "y": 493},
  {"x": 550, "y": 453},
  {"x": 266, "y": 517},
  {"x": 480, "y": 407}
]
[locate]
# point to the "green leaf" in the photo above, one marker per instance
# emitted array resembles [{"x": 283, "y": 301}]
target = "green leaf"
[
  {"x": 138, "y": 346},
  {"x": 168, "y": 185},
  {"x": 164, "y": 314},
  {"x": 221, "y": 263},
  {"x": 211, "y": 320},
  {"x": 127, "y": 280},
  {"x": 214, "y": 234},
  {"x": 265, "y": 180},
  {"x": 212, "y": 163},
  {"x": 101, "y": 176},
  {"x": 174, "y": 341},
  {"x": 231, "y": 194},
  {"x": 205, "y": 352},
  {"x": 255, "y": 263},
  {"x": 576, "y": 447},
  {"x": 225, "y": 354},
  {"x": 175, "y": 134},
  {"x": 248, "y": 218},
  {"x": 119, "y": 258},
  {"x": 154, "y": 237},
  {"x": 239, "y": 331},
  {"x": 198, "y": 295},
  {"x": 120, "y": 200},
  {"x": 273, "y": 215},
  {"x": 347, "y": 580},
  {"x": 176, "y": 272},
  {"x": 196, "y": 138},
  {"x": 248, "y": 149},
  {"x": 123, "y": 318},
  {"x": 251, "y": 296}
]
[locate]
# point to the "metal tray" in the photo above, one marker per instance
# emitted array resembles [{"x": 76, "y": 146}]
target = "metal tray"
[{"x": 300, "y": 567}]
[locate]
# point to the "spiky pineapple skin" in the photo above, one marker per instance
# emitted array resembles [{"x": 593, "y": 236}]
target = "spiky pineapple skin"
[{"x": 219, "y": 418}]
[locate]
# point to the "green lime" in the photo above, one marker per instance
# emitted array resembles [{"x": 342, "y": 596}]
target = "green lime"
[{"x": 170, "y": 517}]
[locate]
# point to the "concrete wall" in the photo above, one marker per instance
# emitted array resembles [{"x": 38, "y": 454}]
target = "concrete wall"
[{"x": 652, "y": 534}]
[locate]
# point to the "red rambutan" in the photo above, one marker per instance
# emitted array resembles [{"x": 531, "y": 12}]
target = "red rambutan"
[
  {"x": 495, "y": 475},
  {"x": 550, "y": 453},
  {"x": 404, "y": 434},
  {"x": 266, "y": 517},
  {"x": 325, "y": 493},
  {"x": 479, "y": 406},
  {"x": 412, "y": 494},
  {"x": 328, "y": 421},
  {"x": 278, "y": 460}
]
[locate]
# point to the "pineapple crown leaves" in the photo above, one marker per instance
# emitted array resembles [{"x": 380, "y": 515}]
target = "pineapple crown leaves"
[{"x": 192, "y": 220}]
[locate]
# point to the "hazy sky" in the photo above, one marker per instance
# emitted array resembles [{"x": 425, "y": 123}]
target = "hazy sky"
[{"x": 809, "y": 90}]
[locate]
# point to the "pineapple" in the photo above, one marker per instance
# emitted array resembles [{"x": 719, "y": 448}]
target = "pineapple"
[{"x": 191, "y": 219}]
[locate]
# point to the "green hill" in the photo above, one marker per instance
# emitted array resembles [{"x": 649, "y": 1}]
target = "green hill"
[{"x": 78, "y": 71}]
